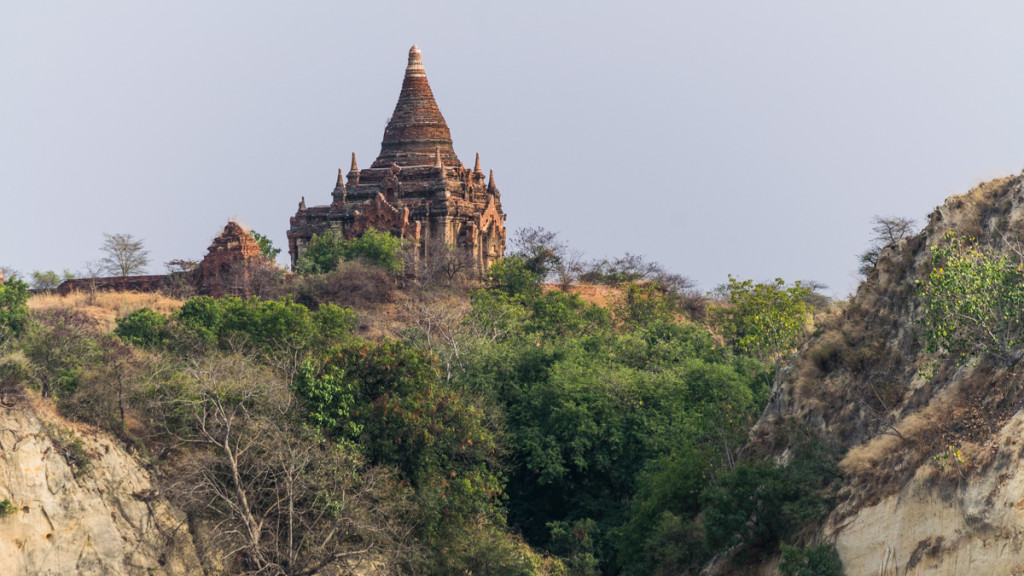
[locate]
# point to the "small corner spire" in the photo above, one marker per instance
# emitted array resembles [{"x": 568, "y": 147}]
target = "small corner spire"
[
  {"x": 491, "y": 186},
  {"x": 437, "y": 158},
  {"x": 341, "y": 179},
  {"x": 476, "y": 168},
  {"x": 353, "y": 173}
]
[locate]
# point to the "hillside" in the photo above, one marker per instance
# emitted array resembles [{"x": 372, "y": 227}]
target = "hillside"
[
  {"x": 360, "y": 421},
  {"x": 932, "y": 482}
]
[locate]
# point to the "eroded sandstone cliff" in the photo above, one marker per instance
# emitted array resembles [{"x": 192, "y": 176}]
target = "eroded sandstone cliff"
[
  {"x": 109, "y": 520},
  {"x": 933, "y": 482}
]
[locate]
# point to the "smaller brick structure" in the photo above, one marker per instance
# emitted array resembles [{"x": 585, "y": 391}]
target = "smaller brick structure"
[
  {"x": 233, "y": 257},
  {"x": 229, "y": 261}
]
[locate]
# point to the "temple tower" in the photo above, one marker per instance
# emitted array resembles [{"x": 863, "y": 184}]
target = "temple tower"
[{"x": 416, "y": 188}]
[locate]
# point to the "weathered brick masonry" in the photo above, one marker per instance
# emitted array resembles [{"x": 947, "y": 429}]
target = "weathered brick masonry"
[{"x": 416, "y": 189}]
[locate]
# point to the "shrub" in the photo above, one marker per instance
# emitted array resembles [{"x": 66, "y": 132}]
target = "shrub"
[
  {"x": 374, "y": 247},
  {"x": 6, "y": 507},
  {"x": 142, "y": 328},
  {"x": 60, "y": 343},
  {"x": 351, "y": 284},
  {"x": 820, "y": 560},
  {"x": 72, "y": 449}
]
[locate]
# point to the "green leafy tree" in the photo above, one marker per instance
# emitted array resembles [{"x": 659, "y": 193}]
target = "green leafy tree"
[
  {"x": 642, "y": 303},
  {"x": 59, "y": 344},
  {"x": 266, "y": 245},
  {"x": 764, "y": 320},
  {"x": 972, "y": 301},
  {"x": 374, "y": 247},
  {"x": 377, "y": 248},
  {"x": 514, "y": 276},
  {"x": 144, "y": 328},
  {"x": 390, "y": 397},
  {"x": 49, "y": 279},
  {"x": 322, "y": 253},
  {"x": 14, "y": 296}
]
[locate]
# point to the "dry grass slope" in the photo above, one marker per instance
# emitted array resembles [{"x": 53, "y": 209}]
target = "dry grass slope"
[{"x": 104, "y": 308}]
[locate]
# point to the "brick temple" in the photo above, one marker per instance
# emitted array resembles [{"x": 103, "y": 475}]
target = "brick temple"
[{"x": 416, "y": 189}]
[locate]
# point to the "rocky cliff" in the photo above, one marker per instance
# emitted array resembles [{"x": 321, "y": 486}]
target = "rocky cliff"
[
  {"x": 84, "y": 507},
  {"x": 933, "y": 482}
]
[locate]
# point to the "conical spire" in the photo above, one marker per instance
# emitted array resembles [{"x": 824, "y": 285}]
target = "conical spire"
[
  {"x": 416, "y": 131},
  {"x": 353, "y": 172},
  {"x": 437, "y": 160},
  {"x": 491, "y": 186},
  {"x": 476, "y": 168},
  {"x": 341, "y": 179}
]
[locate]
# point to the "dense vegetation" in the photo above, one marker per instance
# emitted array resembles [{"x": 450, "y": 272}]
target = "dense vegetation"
[{"x": 502, "y": 428}]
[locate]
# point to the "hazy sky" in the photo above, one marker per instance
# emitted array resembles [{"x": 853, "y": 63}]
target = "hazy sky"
[{"x": 749, "y": 138}]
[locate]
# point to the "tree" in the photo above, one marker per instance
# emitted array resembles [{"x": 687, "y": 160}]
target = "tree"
[
  {"x": 972, "y": 301},
  {"x": 764, "y": 320},
  {"x": 49, "y": 279},
  {"x": 59, "y": 343},
  {"x": 444, "y": 265},
  {"x": 7, "y": 273},
  {"x": 275, "y": 492},
  {"x": 181, "y": 266},
  {"x": 123, "y": 255},
  {"x": 266, "y": 245},
  {"x": 540, "y": 250},
  {"x": 324, "y": 251},
  {"x": 13, "y": 309},
  {"x": 887, "y": 230}
]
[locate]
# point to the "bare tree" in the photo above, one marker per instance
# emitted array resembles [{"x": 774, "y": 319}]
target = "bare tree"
[
  {"x": 435, "y": 321},
  {"x": 569, "y": 267},
  {"x": 887, "y": 230},
  {"x": 124, "y": 255},
  {"x": 891, "y": 229},
  {"x": 7, "y": 273},
  {"x": 444, "y": 265},
  {"x": 282, "y": 500},
  {"x": 540, "y": 248}
]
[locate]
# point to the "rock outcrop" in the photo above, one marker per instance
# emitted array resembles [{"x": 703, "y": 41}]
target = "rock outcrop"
[
  {"x": 110, "y": 520},
  {"x": 931, "y": 448}
]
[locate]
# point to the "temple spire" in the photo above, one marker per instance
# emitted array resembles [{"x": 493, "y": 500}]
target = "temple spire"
[
  {"x": 341, "y": 179},
  {"x": 476, "y": 168},
  {"x": 415, "y": 67},
  {"x": 491, "y": 186},
  {"x": 416, "y": 129},
  {"x": 437, "y": 159},
  {"x": 353, "y": 172}
]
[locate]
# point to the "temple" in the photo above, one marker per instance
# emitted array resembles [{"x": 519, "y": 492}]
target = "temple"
[{"x": 416, "y": 189}]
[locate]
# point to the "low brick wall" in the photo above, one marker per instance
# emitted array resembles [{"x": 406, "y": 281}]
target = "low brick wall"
[{"x": 117, "y": 284}]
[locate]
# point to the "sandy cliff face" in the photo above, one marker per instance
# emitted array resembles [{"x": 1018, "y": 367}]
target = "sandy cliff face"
[
  {"x": 865, "y": 383},
  {"x": 108, "y": 521}
]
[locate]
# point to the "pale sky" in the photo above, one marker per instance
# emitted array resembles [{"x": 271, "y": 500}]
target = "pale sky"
[{"x": 749, "y": 138}]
